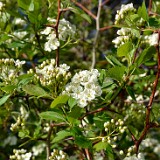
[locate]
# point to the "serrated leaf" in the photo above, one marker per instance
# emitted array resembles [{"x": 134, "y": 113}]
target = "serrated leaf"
[
  {"x": 146, "y": 55},
  {"x": 4, "y": 99},
  {"x": 72, "y": 102},
  {"x": 125, "y": 50},
  {"x": 116, "y": 72},
  {"x": 80, "y": 13},
  {"x": 142, "y": 12},
  {"x": 100, "y": 146},
  {"x": 61, "y": 135},
  {"x": 54, "y": 116},
  {"x": 35, "y": 91},
  {"x": 62, "y": 99},
  {"x": 83, "y": 142}
]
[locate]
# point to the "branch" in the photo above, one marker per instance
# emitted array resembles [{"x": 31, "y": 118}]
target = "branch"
[
  {"x": 149, "y": 124},
  {"x": 150, "y": 7},
  {"x": 105, "y": 28},
  {"x": 96, "y": 36},
  {"x": 84, "y": 9}
]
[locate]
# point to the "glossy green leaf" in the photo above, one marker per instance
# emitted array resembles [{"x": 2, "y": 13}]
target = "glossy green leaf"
[
  {"x": 146, "y": 55},
  {"x": 113, "y": 61},
  {"x": 100, "y": 146},
  {"x": 54, "y": 116},
  {"x": 62, "y": 99},
  {"x": 116, "y": 72},
  {"x": 35, "y": 90},
  {"x": 72, "y": 102},
  {"x": 142, "y": 12},
  {"x": 4, "y": 99},
  {"x": 125, "y": 51},
  {"x": 61, "y": 135}
]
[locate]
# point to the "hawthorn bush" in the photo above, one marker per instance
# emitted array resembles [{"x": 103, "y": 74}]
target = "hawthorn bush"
[{"x": 79, "y": 80}]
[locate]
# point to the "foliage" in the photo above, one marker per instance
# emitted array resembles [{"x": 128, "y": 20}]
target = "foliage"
[{"x": 67, "y": 91}]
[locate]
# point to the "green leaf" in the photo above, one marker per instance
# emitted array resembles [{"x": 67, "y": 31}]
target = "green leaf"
[
  {"x": 54, "y": 116},
  {"x": 61, "y": 135},
  {"x": 146, "y": 55},
  {"x": 9, "y": 88},
  {"x": 72, "y": 102},
  {"x": 113, "y": 61},
  {"x": 62, "y": 99},
  {"x": 4, "y": 99},
  {"x": 80, "y": 13},
  {"x": 116, "y": 72},
  {"x": 4, "y": 37},
  {"x": 35, "y": 91},
  {"x": 100, "y": 146},
  {"x": 31, "y": 6},
  {"x": 109, "y": 152},
  {"x": 125, "y": 50},
  {"x": 83, "y": 142},
  {"x": 131, "y": 92},
  {"x": 142, "y": 12},
  {"x": 23, "y": 133},
  {"x": 24, "y": 4}
]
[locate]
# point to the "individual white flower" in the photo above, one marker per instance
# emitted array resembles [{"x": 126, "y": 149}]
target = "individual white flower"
[
  {"x": 38, "y": 149},
  {"x": 46, "y": 31},
  {"x": 19, "y": 21},
  {"x": 52, "y": 43}
]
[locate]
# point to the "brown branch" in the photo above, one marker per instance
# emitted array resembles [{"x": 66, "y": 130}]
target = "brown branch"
[
  {"x": 84, "y": 9},
  {"x": 105, "y": 28},
  {"x": 150, "y": 7},
  {"x": 149, "y": 124}
]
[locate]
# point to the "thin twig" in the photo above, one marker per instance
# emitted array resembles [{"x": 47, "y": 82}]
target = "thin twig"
[
  {"x": 96, "y": 36},
  {"x": 48, "y": 147},
  {"x": 84, "y": 9},
  {"x": 105, "y": 28},
  {"x": 149, "y": 124},
  {"x": 104, "y": 2},
  {"x": 150, "y": 7}
]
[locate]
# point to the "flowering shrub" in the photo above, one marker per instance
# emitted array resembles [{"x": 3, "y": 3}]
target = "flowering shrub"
[{"x": 70, "y": 90}]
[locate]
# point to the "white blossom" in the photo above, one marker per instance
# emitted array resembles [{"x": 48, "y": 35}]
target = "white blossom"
[{"x": 84, "y": 87}]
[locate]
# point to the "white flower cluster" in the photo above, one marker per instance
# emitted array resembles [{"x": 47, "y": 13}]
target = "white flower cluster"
[
  {"x": 140, "y": 156},
  {"x": 37, "y": 150},
  {"x": 151, "y": 39},
  {"x": 21, "y": 155},
  {"x": 58, "y": 155},
  {"x": 84, "y": 87},
  {"x": 125, "y": 10},
  {"x": 10, "y": 69},
  {"x": 65, "y": 30},
  {"x": 125, "y": 34},
  {"x": 48, "y": 74},
  {"x": 20, "y": 122}
]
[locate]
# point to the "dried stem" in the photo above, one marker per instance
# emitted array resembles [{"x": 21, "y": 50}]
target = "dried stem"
[{"x": 149, "y": 124}]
